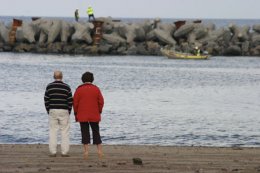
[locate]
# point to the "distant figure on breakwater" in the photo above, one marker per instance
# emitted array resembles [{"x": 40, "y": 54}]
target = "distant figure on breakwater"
[
  {"x": 88, "y": 104},
  {"x": 58, "y": 103},
  {"x": 90, "y": 12},
  {"x": 77, "y": 15}
]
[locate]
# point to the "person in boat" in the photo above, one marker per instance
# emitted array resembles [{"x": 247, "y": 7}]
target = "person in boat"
[
  {"x": 197, "y": 51},
  {"x": 77, "y": 15},
  {"x": 90, "y": 12}
]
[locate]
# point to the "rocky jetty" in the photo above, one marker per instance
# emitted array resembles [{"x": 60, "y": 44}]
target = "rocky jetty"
[{"x": 121, "y": 38}]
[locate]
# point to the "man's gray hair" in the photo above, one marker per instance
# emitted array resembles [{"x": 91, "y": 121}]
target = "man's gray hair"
[{"x": 57, "y": 75}]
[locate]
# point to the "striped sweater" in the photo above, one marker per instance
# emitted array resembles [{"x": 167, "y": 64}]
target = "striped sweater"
[{"x": 58, "y": 96}]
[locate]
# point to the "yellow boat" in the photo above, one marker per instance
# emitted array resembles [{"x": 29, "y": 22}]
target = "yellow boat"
[{"x": 171, "y": 54}]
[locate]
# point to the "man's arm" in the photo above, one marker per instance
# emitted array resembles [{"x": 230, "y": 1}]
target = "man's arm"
[
  {"x": 46, "y": 100},
  {"x": 70, "y": 100}
]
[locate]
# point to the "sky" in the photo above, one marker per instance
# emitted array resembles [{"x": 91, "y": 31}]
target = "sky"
[{"x": 219, "y": 9}]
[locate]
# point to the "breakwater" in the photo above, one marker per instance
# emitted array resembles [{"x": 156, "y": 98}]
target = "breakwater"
[{"x": 123, "y": 38}]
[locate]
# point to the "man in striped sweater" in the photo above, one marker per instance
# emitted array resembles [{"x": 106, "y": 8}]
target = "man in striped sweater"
[{"x": 58, "y": 103}]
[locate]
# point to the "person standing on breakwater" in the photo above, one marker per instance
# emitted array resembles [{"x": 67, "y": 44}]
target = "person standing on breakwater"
[
  {"x": 77, "y": 15},
  {"x": 58, "y": 103},
  {"x": 88, "y": 104},
  {"x": 90, "y": 12}
]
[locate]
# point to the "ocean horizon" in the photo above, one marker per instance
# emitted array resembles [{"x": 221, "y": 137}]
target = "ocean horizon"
[{"x": 217, "y": 22}]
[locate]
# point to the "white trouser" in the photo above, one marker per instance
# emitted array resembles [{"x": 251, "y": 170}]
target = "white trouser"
[{"x": 59, "y": 119}]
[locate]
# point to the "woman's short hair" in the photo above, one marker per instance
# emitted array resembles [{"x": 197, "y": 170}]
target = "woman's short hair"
[{"x": 87, "y": 77}]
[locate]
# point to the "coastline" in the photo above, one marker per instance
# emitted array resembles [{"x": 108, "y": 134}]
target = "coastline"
[{"x": 119, "y": 158}]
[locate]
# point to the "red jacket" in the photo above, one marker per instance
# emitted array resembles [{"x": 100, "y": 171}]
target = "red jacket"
[{"x": 88, "y": 103}]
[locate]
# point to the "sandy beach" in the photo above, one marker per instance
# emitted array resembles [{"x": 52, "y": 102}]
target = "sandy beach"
[{"x": 155, "y": 159}]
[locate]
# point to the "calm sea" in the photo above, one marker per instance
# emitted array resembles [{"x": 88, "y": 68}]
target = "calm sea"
[{"x": 148, "y": 100}]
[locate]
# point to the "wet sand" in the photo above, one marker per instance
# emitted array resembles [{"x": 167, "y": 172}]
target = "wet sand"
[{"x": 35, "y": 158}]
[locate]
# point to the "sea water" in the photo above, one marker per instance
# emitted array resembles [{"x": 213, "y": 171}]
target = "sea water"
[{"x": 148, "y": 100}]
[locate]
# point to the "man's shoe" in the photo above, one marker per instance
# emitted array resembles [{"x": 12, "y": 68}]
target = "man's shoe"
[
  {"x": 52, "y": 155},
  {"x": 65, "y": 155}
]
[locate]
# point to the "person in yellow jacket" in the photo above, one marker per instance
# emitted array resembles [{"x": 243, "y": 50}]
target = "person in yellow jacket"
[{"x": 90, "y": 12}]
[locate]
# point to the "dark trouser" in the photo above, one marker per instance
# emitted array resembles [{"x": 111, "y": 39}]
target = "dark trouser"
[
  {"x": 84, "y": 126},
  {"x": 91, "y": 15}
]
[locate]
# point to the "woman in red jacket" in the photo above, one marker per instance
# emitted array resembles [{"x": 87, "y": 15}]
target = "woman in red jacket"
[{"x": 88, "y": 103}]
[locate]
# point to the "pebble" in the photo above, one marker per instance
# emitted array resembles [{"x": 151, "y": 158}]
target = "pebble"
[{"x": 137, "y": 161}]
